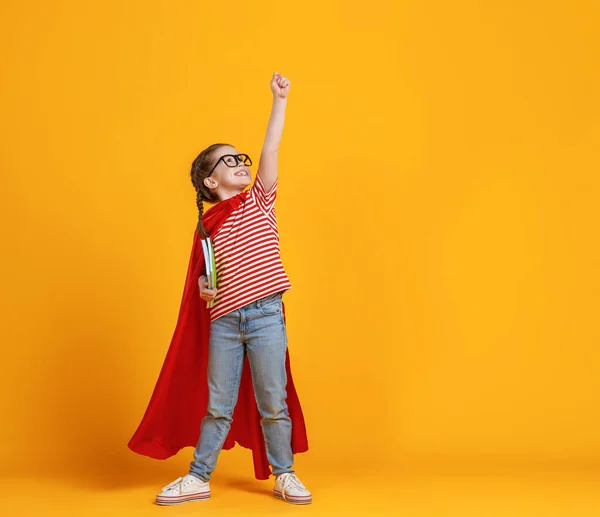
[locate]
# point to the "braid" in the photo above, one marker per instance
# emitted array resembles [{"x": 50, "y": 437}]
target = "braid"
[
  {"x": 200, "y": 168},
  {"x": 201, "y": 229}
]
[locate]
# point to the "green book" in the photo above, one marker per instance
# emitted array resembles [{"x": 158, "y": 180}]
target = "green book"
[{"x": 211, "y": 268}]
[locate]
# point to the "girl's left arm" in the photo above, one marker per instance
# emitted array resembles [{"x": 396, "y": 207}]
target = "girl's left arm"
[{"x": 267, "y": 168}]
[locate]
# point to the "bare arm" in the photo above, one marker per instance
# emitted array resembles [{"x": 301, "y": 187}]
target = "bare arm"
[{"x": 268, "y": 166}]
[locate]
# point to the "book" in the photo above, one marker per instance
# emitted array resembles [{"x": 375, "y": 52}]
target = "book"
[{"x": 211, "y": 268}]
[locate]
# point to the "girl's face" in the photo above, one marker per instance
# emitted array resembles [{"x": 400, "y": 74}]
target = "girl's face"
[{"x": 225, "y": 176}]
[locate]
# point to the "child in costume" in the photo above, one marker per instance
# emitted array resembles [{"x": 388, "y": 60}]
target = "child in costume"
[{"x": 229, "y": 350}]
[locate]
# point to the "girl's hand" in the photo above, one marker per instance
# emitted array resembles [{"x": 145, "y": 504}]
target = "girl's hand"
[
  {"x": 206, "y": 294},
  {"x": 280, "y": 86}
]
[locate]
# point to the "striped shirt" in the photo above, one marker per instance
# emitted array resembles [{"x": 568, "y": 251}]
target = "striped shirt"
[{"x": 247, "y": 253}]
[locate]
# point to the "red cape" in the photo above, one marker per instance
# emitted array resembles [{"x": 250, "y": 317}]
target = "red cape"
[{"x": 180, "y": 398}]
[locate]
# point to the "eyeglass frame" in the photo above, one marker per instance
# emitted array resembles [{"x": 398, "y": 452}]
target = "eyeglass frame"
[{"x": 237, "y": 161}]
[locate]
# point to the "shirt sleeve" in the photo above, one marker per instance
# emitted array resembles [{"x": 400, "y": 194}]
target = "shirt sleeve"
[{"x": 265, "y": 200}]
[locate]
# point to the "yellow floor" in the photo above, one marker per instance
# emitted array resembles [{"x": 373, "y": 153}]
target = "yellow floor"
[{"x": 415, "y": 492}]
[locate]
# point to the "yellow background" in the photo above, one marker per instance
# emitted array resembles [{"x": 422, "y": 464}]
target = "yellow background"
[{"x": 438, "y": 212}]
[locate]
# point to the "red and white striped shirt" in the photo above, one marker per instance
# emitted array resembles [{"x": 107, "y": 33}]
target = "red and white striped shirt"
[{"x": 247, "y": 253}]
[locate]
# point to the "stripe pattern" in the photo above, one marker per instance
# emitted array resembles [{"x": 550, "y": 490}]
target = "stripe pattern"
[
  {"x": 247, "y": 254},
  {"x": 295, "y": 499},
  {"x": 170, "y": 500}
]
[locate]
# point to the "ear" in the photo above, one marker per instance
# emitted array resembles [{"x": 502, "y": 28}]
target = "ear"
[{"x": 210, "y": 183}]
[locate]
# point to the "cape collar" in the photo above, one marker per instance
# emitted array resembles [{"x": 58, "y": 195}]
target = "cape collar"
[{"x": 216, "y": 215}]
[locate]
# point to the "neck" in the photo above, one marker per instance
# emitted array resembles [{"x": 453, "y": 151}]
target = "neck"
[{"x": 224, "y": 194}]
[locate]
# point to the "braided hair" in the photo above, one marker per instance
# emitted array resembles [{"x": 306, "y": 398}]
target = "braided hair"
[{"x": 200, "y": 169}]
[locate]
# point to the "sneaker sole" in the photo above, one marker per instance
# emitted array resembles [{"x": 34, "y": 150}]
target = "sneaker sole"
[
  {"x": 168, "y": 501},
  {"x": 293, "y": 499}
]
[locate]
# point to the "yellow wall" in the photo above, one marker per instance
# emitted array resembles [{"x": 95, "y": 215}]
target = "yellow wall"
[{"x": 438, "y": 211}]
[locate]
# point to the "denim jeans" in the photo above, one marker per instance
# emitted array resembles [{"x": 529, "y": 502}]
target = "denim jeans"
[{"x": 258, "y": 329}]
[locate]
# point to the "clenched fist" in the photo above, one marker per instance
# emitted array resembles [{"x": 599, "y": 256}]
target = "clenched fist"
[{"x": 280, "y": 86}]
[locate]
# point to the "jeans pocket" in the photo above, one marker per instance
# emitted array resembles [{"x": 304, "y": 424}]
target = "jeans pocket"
[{"x": 271, "y": 305}]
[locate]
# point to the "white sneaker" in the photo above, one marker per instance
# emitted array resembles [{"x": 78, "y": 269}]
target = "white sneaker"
[
  {"x": 289, "y": 488},
  {"x": 184, "y": 489}
]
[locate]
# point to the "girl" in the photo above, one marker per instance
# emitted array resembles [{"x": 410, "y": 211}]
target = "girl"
[{"x": 239, "y": 341}]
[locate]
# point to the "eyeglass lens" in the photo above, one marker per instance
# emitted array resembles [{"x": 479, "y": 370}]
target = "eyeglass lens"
[{"x": 232, "y": 160}]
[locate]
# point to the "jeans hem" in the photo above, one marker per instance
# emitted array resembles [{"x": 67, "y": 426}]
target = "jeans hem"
[
  {"x": 198, "y": 476},
  {"x": 290, "y": 471}
]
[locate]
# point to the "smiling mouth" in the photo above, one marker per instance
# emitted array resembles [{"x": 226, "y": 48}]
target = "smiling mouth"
[{"x": 241, "y": 173}]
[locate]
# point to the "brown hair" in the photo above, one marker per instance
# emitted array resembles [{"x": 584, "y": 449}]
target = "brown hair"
[{"x": 200, "y": 169}]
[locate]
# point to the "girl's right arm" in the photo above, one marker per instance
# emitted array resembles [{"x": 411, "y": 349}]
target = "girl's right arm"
[{"x": 267, "y": 168}]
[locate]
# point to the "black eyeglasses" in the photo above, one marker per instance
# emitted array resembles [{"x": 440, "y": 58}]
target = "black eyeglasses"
[{"x": 232, "y": 160}]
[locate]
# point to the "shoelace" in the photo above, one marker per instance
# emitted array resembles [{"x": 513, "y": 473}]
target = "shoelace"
[
  {"x": 290, "y": 481},
  {"x": 172, "y": 484}
]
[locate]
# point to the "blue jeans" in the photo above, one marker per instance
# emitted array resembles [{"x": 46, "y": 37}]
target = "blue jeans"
[{"x": 259, "y": 329}]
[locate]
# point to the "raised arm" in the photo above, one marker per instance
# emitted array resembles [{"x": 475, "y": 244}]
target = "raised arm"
[{"x": 267, "y": 168}]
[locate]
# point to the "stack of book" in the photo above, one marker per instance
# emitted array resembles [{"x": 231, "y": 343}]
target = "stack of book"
[{"x": 211, "y": 268}]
